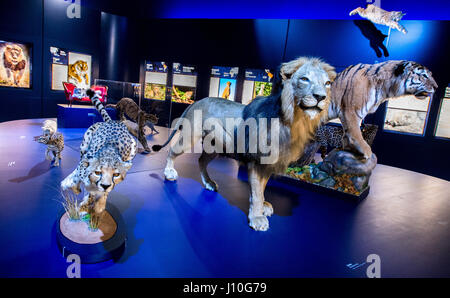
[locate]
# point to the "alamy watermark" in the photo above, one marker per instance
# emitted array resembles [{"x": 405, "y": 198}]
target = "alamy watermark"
[
  {"x": 74, "y": 9},
  {"x": 74, "y": 269},
  {"x": 374, "y": 268}
]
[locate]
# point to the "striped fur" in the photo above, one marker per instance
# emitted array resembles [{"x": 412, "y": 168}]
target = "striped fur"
[
  {"x": 95, "y": 98},
  {"x": 360, "y": 89}
]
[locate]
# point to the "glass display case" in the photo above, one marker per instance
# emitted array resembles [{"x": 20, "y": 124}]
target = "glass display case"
[{"x": 118, "y": 90}]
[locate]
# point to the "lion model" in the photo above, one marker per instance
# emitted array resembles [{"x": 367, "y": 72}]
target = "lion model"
[
  {"x": 299, "y": 103},
  {"x": 360, "y": 89},
  {"x": 14, "y": 63}
]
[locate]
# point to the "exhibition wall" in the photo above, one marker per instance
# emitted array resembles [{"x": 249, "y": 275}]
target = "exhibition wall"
[{"x": 119, "y": 45}]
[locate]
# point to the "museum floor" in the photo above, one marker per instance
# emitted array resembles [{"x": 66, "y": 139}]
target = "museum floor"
[{"x": 181, "y": 230}]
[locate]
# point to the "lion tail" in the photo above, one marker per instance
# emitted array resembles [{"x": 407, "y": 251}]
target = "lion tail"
[{"x": 177, "y": 127}]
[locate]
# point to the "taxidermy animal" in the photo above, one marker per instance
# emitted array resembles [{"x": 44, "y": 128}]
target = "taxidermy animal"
[
  {"x": 78, "y": 73},
  {"x": 127, "y": 106},
  {"x": 14, "y": 62},
  {"x": 54, "y": 141},
  {"x": 360, "y": 89},
  {"x": 381, "y": 16},
  {"x": 226, "y": 92},
  {"x": 107, "y": 151},
  {"x": 299, "y": 100}
]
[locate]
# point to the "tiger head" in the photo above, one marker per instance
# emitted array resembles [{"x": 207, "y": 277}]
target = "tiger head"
[
  {"x": 308, "y": 80},
  {"x": 105, "y": 171},
  {"x": 418, "y": 80},
  {"x": 81, "y": 66}
]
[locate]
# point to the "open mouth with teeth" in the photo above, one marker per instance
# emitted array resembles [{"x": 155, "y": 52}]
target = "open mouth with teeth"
[{"x": 422, "y": 95}]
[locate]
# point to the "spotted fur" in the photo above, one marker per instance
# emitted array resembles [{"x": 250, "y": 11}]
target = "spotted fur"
[
  {"x": 54, "y": 141},
  {"x": 380, "y": 16},
  {"x": 127, "y": 106},
  {"x": 106, "y": 151},
  {"x": 331, "y": 136}
]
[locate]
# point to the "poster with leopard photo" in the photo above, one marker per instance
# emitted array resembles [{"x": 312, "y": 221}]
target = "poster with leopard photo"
[{"x": 15, "y": 64}]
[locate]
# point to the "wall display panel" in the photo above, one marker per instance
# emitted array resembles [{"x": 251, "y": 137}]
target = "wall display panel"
[
  {"x": 15, "y": 64},
  {"x": 443, "y": 122},
  {"x": 258, "y": 82},
  {"x": 155, "y": 80},
  {"x": 184, "y": 83},
  {"x": 223, "y": 82},
  {"x": 407, "y": 114},
  {"x": 71, "y": 67}
]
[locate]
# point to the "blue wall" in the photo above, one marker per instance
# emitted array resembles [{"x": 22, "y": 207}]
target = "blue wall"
[{"x": 119, "y": 45}]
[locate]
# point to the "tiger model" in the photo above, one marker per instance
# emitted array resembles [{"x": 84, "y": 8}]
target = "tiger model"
[
  {"x": 380, "y": 16},
  {"x": 107, "y": 151},
  {"x": 127, "y": 106},
  {"x": 78, "y": 73},
  {"x": 54, "y": 141},
  {"x": 360, "y": 89}
]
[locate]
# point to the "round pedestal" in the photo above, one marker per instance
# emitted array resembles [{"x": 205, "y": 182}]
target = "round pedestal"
[{"x": 105, "y": 243}]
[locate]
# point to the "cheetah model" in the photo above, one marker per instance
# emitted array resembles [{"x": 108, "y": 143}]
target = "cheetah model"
[{"x": 107, "y": 151}]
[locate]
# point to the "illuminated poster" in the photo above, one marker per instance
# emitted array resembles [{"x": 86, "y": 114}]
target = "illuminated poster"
[
  {"x": 155, "y": 80},
  {"x": 407, "y": 114},
  {"x": 184, "y": 83},
  {"x": 15, "y": 64},
  {"x": 258, "y": 82},
  {"x": 223, "y": 82},
  {"x": 443, "y": 123},
  {"x": 70, "y": 67}
]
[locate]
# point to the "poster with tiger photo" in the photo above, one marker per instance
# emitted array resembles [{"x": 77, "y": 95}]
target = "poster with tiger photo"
[
  {"x": 70, "y": 67},
  {"x": 15, "y": 64}
]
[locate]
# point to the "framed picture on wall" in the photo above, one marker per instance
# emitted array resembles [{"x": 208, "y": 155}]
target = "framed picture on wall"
[
  {"x": 258, "y": 82},
  {"x": 184, "y": 83},
  {"x": 155, "y": 80},
  {"x": 223, "y": 82},
  {"x": 15, "y": 64},
  {"x": 443, "y": 123},
  {"x": 407, "y": 115},
  {"x": 71, "y": 67}
]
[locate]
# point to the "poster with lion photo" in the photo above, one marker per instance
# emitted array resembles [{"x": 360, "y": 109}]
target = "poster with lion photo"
[
  {"x": 15, "y": 64},
  {"x": 70, "y": 67}
]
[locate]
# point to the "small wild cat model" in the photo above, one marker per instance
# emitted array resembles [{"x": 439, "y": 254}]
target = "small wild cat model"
[
  {"x": 380, "y": 16},
  {"x": 54, "y": 141},
  {"x": 126, "y": 106}
]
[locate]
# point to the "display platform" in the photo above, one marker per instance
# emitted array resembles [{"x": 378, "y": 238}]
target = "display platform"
[
  {"x": 182, "y": 230},
  {"x": 92, "y": 246},
  {"x": 80, "y": 116}
]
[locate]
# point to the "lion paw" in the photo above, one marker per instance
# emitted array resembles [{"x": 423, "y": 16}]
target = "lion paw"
[
  {"x": 268, "y": 209},
  {"x": 259, "y": 223},
  {"x": 170, "y": 174}
]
